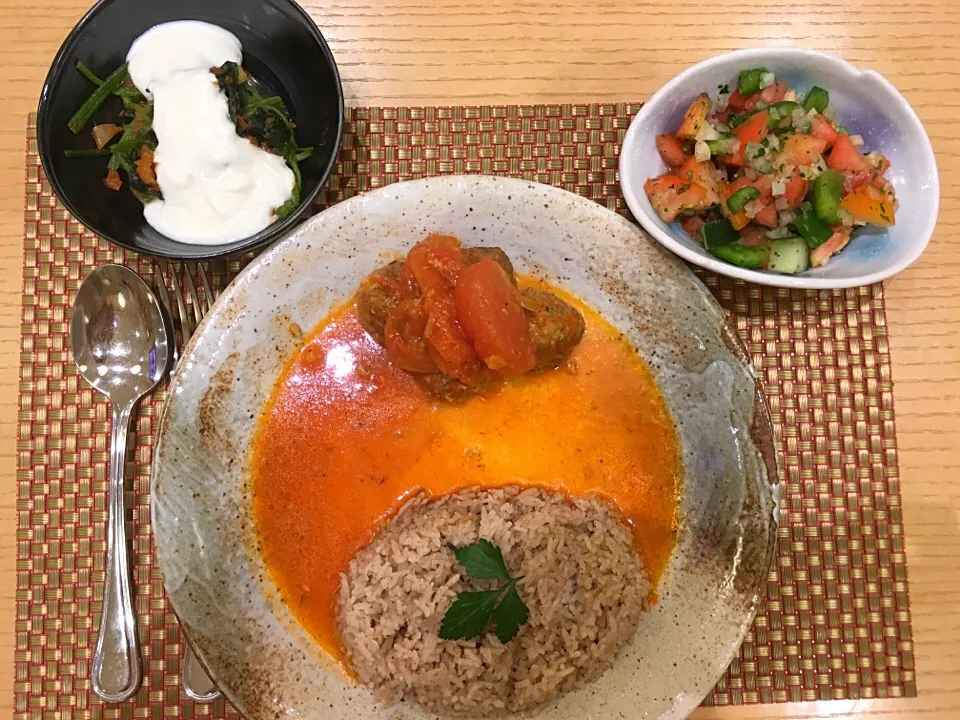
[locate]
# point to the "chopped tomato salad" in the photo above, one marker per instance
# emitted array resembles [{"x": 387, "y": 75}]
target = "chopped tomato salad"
[{"x": 767, "y": 179}]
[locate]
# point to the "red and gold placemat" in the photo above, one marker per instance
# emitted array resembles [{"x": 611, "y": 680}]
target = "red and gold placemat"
[{"x": 836, "y": 622}]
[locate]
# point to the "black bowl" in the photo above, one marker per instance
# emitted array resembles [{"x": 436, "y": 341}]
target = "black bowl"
[{"x": 282, "y": 49}]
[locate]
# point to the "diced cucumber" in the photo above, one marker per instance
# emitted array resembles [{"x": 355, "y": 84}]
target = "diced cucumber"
[
  {"x": 812, "y": 229},
  {"x": 752, "y": 257},
  {"x": 737, "y": 201},
  {"x": 827, "y": 189},
  {"x": 778, "y": 111},
  {"x": 717, "y": 233},
  {"x": 817, "y": 99},
  {"x": 789, "y": 255},
  {"x": 750, "y": 81}
]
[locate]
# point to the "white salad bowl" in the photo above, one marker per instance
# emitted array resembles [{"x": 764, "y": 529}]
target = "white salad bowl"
[{"x": 865, "y": 102}]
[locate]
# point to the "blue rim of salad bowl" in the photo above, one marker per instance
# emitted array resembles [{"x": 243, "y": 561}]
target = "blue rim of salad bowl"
[{"x": 635, "y": 197}]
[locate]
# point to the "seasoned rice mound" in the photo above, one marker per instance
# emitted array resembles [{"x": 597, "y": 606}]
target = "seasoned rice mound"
[{"x": 584, "y": 584}]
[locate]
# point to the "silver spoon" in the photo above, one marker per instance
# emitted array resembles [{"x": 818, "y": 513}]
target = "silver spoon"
[{"x": 121, "y": 348}]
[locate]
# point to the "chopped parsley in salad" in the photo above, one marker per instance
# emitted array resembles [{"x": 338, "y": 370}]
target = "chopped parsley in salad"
[{"x": 767, "y": 179}]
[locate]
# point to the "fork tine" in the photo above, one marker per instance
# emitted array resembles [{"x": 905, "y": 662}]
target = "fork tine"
[
  {"x": 192, "y": 289},
  {"x": 161, "y": 287},
  {"x": 208, "y": 297},
  {"x": 161, "y": 283},
  {"x": 185, "y": 326}
]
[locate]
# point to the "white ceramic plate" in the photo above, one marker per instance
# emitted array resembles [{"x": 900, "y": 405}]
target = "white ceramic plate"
[
  {"x": 253, "y": 647},
  {"x": 866, "y": 103}
]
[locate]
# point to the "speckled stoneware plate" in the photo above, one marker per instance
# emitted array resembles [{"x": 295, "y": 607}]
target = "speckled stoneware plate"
[{"x": 262, "y": 659}]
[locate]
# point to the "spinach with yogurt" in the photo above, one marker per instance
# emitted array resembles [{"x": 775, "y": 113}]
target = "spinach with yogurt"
[{"x": 129, "y": 143}]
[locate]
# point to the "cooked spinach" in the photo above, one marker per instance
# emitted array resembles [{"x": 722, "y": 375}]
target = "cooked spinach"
[{"x": 265, "y": 121}]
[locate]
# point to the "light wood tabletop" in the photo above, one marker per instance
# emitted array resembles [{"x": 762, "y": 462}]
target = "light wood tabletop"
[{"x": 526, "y": 51}]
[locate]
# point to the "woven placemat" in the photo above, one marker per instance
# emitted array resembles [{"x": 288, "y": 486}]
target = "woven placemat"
[{"x": 836, "y": 623}]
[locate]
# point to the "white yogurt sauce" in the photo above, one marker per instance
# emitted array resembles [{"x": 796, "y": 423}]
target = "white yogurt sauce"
[{"x": 217, "y": 186}]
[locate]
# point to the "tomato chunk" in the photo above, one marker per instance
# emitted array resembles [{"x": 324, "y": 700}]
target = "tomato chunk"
[
  {"x": 671, "y": 194},
  {"x": 701, "y": 173},
  {"x": 112, "y": 180},
  {"x": 754, "y": 236},
  {"x": 691, "y": 225},
  {"x": 837, "y": 242},
  {"x": 695, "y": 118},
  {"x": 405, "y": 339},
  {"x": 796, "y": 190},
  {"x": 436, "y": 265},
  {"x": 767, "y": 216},
  {"x": 739, "y": 102},
  {"x": 845, "y": 156},
  {"x": 671, "y": 150},
  {"x": 822, "y": 128},
  {"x": 146, "y": 167},
  {"x": 774, "y": 93},
  {"x": 753, "y": 129},
  {"x": 801, "y": 150},
  {"x": 489, "y": 311}
]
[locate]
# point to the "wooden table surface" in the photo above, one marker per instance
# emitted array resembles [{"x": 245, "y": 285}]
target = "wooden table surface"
[{"x": 526, "y": 51}]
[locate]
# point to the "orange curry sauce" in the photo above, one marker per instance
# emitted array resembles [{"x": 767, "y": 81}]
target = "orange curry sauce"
[{"x": 347, "y": 438}]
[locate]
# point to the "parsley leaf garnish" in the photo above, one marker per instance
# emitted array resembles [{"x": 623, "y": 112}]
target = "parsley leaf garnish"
[
  {"x": 483, "y": 561},
  {"x": 509, "y": 615},
  {"x": 471, "y": 612},
  {"x": 468, "y": 615}
]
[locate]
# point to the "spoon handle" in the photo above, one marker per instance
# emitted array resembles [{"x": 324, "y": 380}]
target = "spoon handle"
[{"x": 116, "y": 672}]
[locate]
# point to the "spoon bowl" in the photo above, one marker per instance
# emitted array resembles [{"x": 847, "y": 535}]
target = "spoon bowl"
[
  {"x": 120, "y": 341},
  {"x": 121, "y": 347}
]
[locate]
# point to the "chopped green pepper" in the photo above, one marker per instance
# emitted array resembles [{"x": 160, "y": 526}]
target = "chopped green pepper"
[
  {"x": 827, "y": 189},
  {"x": 813, "y": 230},
  {"x": 752, "y": 257},
  {"x": 737, "y": 119},
  {"x": 717, "y": 233},
  {"x": 737, "y": 201},
  {"x": 749, "y": 81},
  {"x": 818, "y": 99},
  {"x": 778, "y": 111},
  {"x": 723, "y": 144}
]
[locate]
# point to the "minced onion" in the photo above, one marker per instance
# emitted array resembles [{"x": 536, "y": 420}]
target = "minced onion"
[
  {"x": 767, "y": 79},
  {"x": 779, "y": 186},
  {"x": 752, "y": 208},
  {"x": 779, "y": 232},
  {"x": 722, "y": 99},
  {"x": 773, "y": 142},
  {"x": 800, "y": 120},
  {"x": 761, "y": 105},
  {"x": 786, "y": 217},
  {"x": 751, "y": 173},
  {"x": 857, "y": 140},
  {"x": 790, "y": 96},
  {"x": 701, "y": 151},
  {"x": 707, "y": 132},
  {"x": 830, "y": 113},
  {"x": 846, "y": 219},
  {"x": 781, "y": 203},
  {"x": 758, "y": 157},
  {"x": 810, "y": 172}
]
